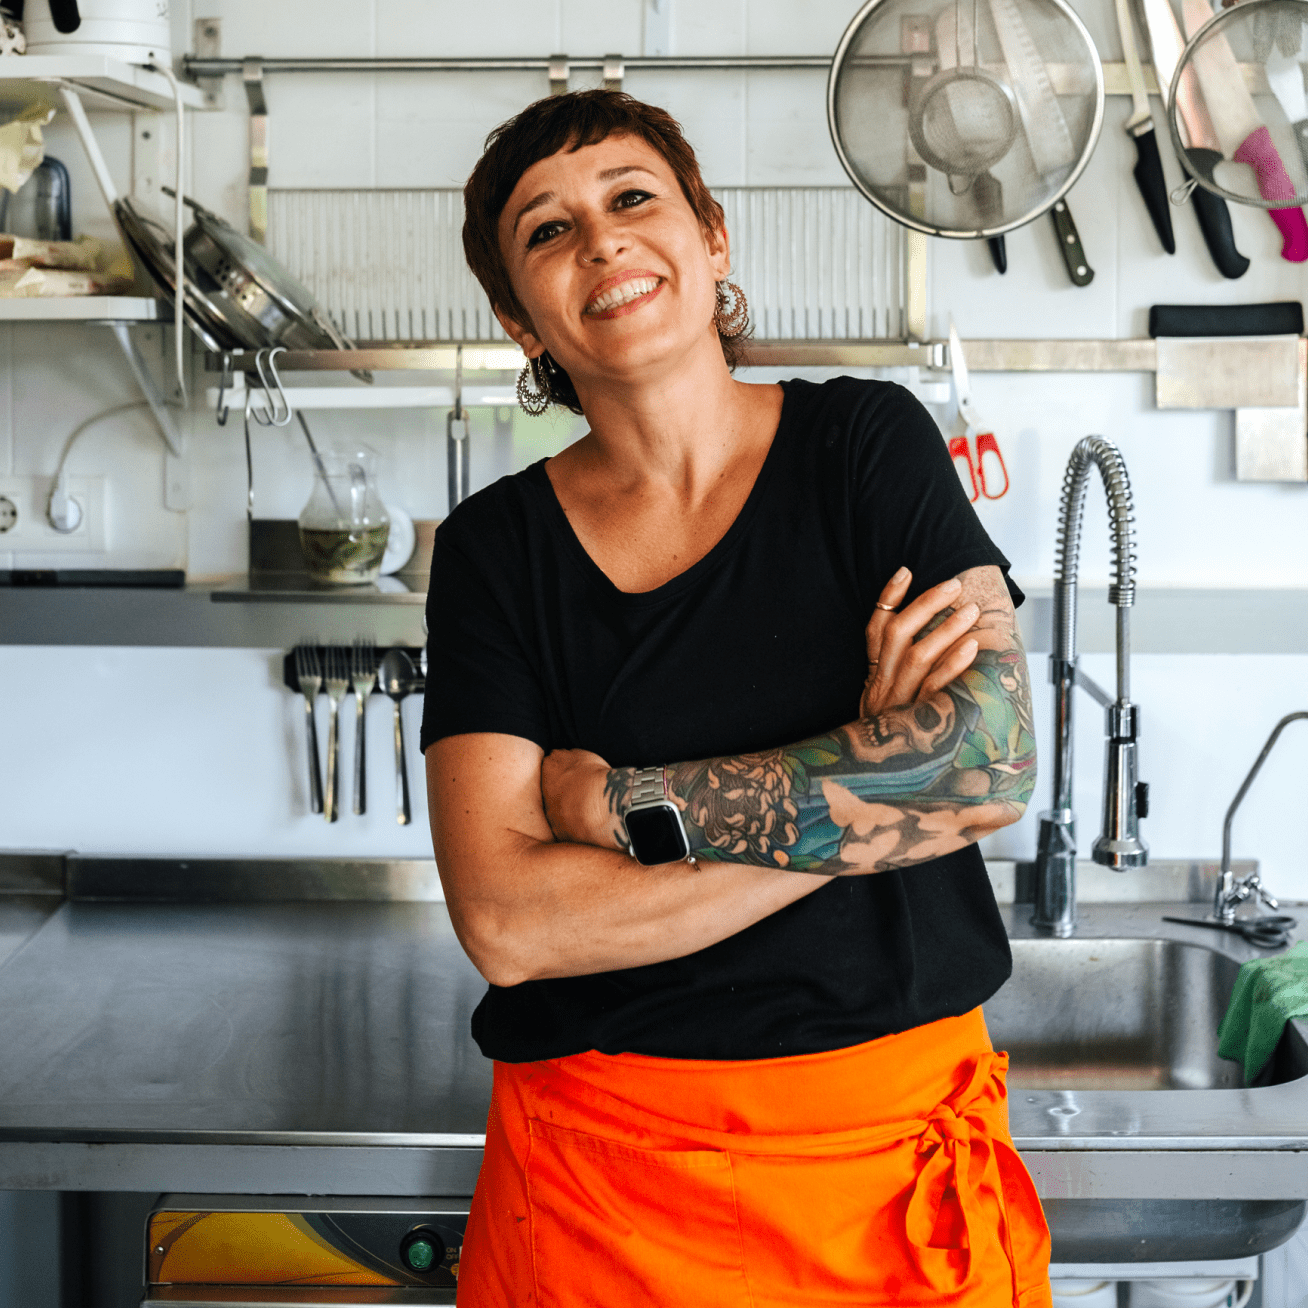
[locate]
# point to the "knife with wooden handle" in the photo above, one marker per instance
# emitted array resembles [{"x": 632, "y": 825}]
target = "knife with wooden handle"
[
  {"x": 1197, "y": 135},
  {"x": 1243, "y": 135},
  {"x": 1148, "y": 171}
]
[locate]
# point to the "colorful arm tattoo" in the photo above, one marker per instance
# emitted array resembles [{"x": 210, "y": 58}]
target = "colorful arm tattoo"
[{"x": 906, "y": 785}]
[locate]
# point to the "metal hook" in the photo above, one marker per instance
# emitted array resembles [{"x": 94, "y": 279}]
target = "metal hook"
[
  {"x": 278, "y": 417},
  {"x": 1182, "y": 193},
  {"x": 249, "y": 457},
  {"x": 226, "y": 381}
]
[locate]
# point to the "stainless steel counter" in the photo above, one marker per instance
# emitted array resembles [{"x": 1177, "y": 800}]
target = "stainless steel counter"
[
  {"x": 276, "y": 1047},
  {"x": 323, "y": 1047}
]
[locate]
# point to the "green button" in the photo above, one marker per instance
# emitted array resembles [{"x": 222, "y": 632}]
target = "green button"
[{"x": 420, "y": 1255}]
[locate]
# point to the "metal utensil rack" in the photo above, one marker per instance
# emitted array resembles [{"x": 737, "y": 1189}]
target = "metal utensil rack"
[
  {"x": 208, "y": 68},
  {"x": 1131, "y": 355}
]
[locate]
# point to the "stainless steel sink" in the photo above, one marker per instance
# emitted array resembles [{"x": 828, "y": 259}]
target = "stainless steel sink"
[
  {"x": 1114, "y": 1015},
  {"x": 1109, "y": 1022}
]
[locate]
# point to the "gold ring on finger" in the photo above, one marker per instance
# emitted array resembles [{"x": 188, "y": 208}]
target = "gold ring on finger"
[{"x": 889, "y": 608}]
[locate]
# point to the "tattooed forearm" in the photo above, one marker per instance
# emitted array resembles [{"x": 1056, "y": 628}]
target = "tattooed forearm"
[
  {"x": 888, "y": 790},
  {"x": 618, "y": 786}
]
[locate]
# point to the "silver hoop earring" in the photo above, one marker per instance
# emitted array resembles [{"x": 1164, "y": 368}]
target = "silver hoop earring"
[
  {"x": 533, "y": 396},
  {"x": 731, "y": 311}
]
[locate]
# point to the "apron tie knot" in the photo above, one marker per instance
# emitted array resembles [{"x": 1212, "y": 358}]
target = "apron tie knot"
[{"x": 959, "y": 1154}]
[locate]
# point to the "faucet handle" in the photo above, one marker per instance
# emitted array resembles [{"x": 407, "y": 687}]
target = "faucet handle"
[{"x": 1265, "y": 895}]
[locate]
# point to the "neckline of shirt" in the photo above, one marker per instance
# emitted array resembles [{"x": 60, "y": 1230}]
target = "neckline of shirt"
[{"x": 558, "y": 521}]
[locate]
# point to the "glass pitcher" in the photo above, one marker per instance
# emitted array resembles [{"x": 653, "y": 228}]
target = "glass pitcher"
[{"x": 344, "y": 527}]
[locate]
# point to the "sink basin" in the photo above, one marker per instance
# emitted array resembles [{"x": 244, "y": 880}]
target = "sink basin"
[
  {"x": 1136, "y": 1014},
  {"x": 1114, "y": 1015}
]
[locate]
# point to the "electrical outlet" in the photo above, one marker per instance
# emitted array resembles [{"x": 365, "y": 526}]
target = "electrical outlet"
[{"x": 29, "y": 532}]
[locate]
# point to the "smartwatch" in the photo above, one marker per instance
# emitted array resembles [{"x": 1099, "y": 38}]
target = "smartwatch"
[{"x": 655, "y": 831}]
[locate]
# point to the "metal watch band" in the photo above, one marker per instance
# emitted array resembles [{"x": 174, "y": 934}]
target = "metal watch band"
[{"x": 648, "y": 785}]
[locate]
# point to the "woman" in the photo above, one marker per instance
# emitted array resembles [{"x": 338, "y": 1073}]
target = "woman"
[{"x": 747, "y": 1066}]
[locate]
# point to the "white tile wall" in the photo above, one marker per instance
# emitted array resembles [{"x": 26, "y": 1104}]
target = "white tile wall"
[{"x": 208, "y": 761}]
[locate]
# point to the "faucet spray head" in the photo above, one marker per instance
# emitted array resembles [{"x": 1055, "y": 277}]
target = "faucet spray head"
[{"x": 1120, "y": 846}]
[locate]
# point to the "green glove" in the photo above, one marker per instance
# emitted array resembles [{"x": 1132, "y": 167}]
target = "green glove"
[{"x": 1268, "y": 992}]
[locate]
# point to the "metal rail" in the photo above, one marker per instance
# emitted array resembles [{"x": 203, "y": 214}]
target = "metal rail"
[
  {"x": 1139, "y": 355},
  {"x": 196, "y": 66},
  {"x": 205, "y": 66}
]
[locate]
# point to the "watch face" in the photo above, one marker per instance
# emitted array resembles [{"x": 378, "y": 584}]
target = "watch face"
[{"x": 656, "y": 834}]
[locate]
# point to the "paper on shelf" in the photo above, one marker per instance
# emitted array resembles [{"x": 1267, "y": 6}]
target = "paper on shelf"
[{"x": 22, "y": 146}]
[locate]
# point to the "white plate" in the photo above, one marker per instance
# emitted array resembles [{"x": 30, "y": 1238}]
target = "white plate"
[{"x": 400, "y": 543}]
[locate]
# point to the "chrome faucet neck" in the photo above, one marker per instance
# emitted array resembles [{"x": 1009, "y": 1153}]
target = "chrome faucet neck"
[
  {"x": 1119, "y": 845},
  {"x": 1230, "y": 892}
]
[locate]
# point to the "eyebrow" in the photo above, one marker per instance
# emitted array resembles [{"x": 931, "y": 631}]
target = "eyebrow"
[{"x": 608, "y": 175}]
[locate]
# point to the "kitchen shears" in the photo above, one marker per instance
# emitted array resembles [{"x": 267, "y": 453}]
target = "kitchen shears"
[
  {"x": 960, "y": 447},
  {"x": 1270, "y": 932}
]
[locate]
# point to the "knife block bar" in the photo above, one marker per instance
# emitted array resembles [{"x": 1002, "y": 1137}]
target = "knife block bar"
[
  {"x": 1231, "y": 372},
  {"x": 1263, "y": 378}
]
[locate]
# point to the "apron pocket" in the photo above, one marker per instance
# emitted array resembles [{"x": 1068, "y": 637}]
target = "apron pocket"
[{"x": 613, "y": 1226}]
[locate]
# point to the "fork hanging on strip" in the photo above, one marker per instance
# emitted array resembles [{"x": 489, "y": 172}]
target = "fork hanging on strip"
[
  {"x": 363, "y": 677},
  {"x": 309, "y": 675},
  {"x": 338, "y": 682}
]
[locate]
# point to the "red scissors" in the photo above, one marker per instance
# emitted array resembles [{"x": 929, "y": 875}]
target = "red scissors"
[{"x": 981, "y": 474}]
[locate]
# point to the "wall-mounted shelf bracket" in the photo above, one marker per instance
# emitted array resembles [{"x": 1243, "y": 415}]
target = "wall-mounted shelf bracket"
[{"x": 177, "y": 470}]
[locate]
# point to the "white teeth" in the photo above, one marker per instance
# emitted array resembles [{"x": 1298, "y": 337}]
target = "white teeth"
[{"x": 623, "y": 294}]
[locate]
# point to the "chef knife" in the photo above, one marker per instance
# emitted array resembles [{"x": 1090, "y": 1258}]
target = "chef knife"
[
  {"x": 1285, "y": 77},
  {"x": 1197, "y": 135},
  {"x": 1242, "y": 134},
  {"x": 1046, "y": 129},
  {"x": 1139, "y": 127}
]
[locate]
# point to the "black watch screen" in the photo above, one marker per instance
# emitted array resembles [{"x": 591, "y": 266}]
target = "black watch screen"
[{"x": 656, "y": 834}]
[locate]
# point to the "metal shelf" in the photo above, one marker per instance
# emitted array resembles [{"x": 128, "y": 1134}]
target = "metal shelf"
[
  {"x": 1133, "y": 355},
  {"x": 1166, "y": 619},
  {"x": 103, "y": 83},
  {"x": 81, "y": 308},
  {"x": 371, "y": 397}
]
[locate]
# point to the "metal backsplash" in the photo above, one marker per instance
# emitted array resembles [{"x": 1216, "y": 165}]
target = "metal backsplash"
[{"x": 817, "y": 263}]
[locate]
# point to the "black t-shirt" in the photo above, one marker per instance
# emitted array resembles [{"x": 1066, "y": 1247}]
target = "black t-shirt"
[{"x": 757, "y": 645}]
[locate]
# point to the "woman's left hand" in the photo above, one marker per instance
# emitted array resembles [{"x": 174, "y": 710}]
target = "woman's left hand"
[
  {"x": 915, "y": 652},
  {"x": 573, "y": 786}
]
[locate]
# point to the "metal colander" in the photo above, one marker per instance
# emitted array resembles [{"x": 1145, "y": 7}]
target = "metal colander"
[
  {"x": 1238, "y": 103},
  {"x": 967, "y": 118}
]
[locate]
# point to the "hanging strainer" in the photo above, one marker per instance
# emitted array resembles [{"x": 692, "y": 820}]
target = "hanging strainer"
[
  {"x": 1238, "y": 103},
  {"x": 966, "y": 118}
]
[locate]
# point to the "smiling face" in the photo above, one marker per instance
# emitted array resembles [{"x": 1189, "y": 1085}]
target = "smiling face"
[{"x": 615, "y": 273}]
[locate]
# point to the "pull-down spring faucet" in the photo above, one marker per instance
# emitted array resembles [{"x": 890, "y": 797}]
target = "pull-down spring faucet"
[{"x": 1125, "y": 798}]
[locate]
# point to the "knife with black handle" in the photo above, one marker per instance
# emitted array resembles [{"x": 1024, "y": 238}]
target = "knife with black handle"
[
  {"x": 1069, "y": 242},
  {"x": 1197, "y": 135},
  {"x": 1139, "y": 127},
  {"x": 1278, "y": 318},
  {"x": 1215, "y": 218},
  {"x": 1148, "y": 173}
]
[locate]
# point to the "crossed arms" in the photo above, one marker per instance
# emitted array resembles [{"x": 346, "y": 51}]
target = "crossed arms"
[{"x": 941, "y": 753}]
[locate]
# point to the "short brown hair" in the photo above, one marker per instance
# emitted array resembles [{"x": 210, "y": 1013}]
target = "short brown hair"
[{"x": 569, "y": 122}]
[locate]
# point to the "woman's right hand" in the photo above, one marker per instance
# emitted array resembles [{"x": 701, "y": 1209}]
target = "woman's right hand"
[{"x": 914, "y": 653}]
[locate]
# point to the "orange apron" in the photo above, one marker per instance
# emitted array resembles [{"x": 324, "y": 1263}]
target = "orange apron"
[{"x": 879, "y": 1174}]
